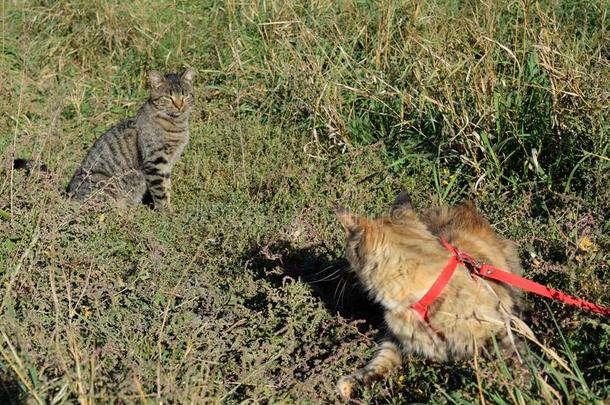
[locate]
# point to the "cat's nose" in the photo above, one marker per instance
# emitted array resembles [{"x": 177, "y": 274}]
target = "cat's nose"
[{"x": 178, "y": 102}]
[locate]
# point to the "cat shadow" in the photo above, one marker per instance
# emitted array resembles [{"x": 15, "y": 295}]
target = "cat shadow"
[
  {"x": 330, "y": 279},
  {"x": 10, "y": 392},
  {"x": 147, "y": 200}
]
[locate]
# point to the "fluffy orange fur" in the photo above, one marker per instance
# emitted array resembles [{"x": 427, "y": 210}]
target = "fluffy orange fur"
[{"x": 398, "y": 257}]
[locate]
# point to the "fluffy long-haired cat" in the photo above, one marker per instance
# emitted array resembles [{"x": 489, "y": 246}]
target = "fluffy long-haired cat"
[
  {"x": 398, "y": 257},
  {"x": 137, "y": 155}
]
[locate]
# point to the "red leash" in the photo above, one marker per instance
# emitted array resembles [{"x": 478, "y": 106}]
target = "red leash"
[{"x": 488, "y": 271}]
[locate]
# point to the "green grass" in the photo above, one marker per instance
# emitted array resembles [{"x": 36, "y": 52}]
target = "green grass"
[{"x": 242, "y": 294}]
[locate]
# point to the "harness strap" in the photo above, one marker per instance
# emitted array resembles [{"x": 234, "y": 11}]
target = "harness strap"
[
  {"x": 488, "y": 271},
  {"x": 421, "y": 306}
]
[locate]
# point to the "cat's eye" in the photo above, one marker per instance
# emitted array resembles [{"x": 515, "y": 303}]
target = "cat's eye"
[{"x": 162, "y": 101}]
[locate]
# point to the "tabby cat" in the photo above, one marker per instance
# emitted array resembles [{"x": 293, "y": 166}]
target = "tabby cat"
[
  {"x": 398, "y": 257},
  {"x": 136, "y": 156}
]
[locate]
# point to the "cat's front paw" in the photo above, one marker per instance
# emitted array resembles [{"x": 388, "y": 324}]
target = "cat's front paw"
[
  {"x": 165, "y": 209},
  {"x": 346, "y": 385}
]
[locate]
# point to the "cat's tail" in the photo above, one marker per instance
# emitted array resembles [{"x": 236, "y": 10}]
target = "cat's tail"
[{"x": 30, "y": 165}]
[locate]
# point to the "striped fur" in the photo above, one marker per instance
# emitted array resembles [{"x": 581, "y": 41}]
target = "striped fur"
[
  {"x": 137, "y": 155},
  {"x": 398, "y": 257}
]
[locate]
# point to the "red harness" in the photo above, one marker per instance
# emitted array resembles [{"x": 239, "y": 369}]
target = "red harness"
[{"x": 478, "y": 269}]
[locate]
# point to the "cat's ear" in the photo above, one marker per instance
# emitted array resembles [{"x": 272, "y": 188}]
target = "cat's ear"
[
  {"x": 401, "y": 204},
  {"x": 187, "y": 76},
  {"x": 155, "y": 79},
  {"x": 351, "y": 223}
]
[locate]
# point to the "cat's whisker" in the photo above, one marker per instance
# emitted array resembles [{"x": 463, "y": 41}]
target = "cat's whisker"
[
  {"x": 342, "y": 292},
  {"x": 337, "y": 291},
  {"x": 333, "y": 276}
]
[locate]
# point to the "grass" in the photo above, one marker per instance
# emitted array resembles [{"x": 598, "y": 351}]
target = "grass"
[{"x": 243, "y": 293}]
